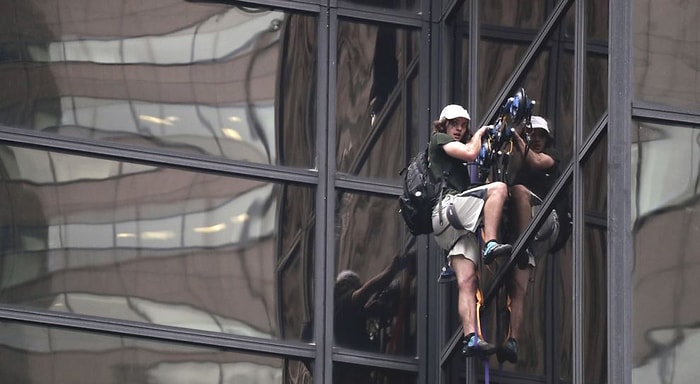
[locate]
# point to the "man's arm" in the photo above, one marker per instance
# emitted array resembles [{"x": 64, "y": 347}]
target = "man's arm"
[
  {"x": 536, "y": 160},
  {"x": 381, "y": 280},
  {"x": 466, "y": 152}
]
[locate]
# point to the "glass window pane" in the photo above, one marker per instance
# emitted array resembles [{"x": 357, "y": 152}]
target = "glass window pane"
[
  {"x": 666, "y": 235},
  {"x": 189, "y": 77},
  {"x": 375, "y": 298},
  {"x": 34, "y": 354},
  {"x": 595, "y": 91},
  {"x": 153, "y": 244},
  {"x": 665, "y": 54},
  {"x": 596, "y": 75},
  {"x": 377, "y": 69},
  {"x": 507, "y": 13},
  {"x": 344, "y": 373},
  {"x": 563, "y": 308},
  {"x": 595, "y": 265}
]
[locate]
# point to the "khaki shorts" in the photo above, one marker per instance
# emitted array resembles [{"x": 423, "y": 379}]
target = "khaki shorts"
[{"x": 461, "y": 210}]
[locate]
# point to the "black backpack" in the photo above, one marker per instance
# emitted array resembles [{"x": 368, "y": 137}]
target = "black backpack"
[{"x": 421, "y": 190}]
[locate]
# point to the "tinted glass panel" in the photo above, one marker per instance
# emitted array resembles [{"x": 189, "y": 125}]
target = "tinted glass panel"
[
  {"x": 376, "y": 64},
  {"x": 356, "y": 374},
  {"x": 507, "y": 13},
  {"x": 190, "y": 77},
  {"x": 375, "y": 298},
  {"x": 666, "y": 235},
  {"x": 665, "y": 53},
  {"x": 34, "y": 354},
  {"x": 595, "y": 265},
  {"x": 563, "y": 309},
  {"x": 596, "y": 75},
  {"x": 158, "y": 245}
]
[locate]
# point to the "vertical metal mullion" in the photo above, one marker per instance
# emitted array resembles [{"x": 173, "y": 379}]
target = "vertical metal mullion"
[
  {"x": 325, "y": 265},
  {"x": 436, "y": 296},
  {"x": 427, "y": 340},
  {"x": 578, "y": 288},
  {"x": 619, "y": 242},
  {"x": 474, "y": 37}
]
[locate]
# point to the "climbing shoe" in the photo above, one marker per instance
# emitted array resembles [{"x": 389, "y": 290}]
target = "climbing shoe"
[
  {"x": 473, "y": 345},
  {"x": 508, "y": 351},
  {"x": 492, "y": 250}
]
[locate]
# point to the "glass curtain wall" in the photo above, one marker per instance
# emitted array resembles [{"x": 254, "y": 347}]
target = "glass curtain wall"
[
  {"x": 206, "y": 190},
  {"x": 665, "y": 190},
  {"x": 179, "y": 174}
]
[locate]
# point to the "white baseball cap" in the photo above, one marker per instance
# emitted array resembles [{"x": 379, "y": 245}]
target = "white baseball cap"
[
  {"x": 454, "y": 111},
  {"x": 539, "y": 122}
]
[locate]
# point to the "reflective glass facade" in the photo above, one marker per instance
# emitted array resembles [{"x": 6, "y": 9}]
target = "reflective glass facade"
[{"x": 206, "y": 191}]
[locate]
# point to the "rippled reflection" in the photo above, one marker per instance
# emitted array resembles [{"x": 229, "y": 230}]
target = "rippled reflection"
[
  {"x": 157, "y": 245},
  {"x": 666, "y": 187},
  {"x": 44, "y": 355},
  {"x": 191, "y": 77}
]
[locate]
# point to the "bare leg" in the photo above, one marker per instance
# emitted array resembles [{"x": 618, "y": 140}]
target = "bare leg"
[
  {"x": 496, "y": 195},
  {"x": 517, "y": 286},
  {"x": 517, "y": 291},
  {"x": 467, "y": 283}
]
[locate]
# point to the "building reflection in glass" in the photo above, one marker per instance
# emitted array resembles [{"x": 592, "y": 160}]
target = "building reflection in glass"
[
  {"x": 154, "y": 244},
  {"x": 665, "y": 182},
  {"x": 189, "y": 77},
  {"x": 376, "y": 98},
  {"x": 33, "y": 354}
]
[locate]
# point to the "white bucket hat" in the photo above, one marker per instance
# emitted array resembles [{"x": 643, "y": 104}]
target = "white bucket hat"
[
  {"x": 540, "y": 122},
  {"x": 454, "y": 111}
]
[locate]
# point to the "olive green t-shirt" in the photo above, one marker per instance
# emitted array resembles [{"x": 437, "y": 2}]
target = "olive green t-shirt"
[{"x": 458, "y": 179}]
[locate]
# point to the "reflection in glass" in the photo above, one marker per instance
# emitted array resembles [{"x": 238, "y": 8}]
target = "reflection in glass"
[
  {"x": 190, "y": 77},
  {"x": 596, "y": 75},
  {"x": 344, "y": 373},
  {"x": 506, "y": 13},
  {"x": 33, "y": 354},
  {"x": 157, "y": 245},
  {"x": 563, "y": 310},
  {"x": 523, "y": 298},
  {"x": 376, "y": 63},
  {"x": 666, "y": 235},
  {"x": 497, "y": 60},
  {"x": 595, "y": 264},
  {"x": 665, "y": 54},
  {"x": 375, "y": 299},
  {"x": 595, "y": 92}
]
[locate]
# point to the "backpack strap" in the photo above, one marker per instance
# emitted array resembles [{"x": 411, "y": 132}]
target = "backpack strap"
[{"x": 443, "y": 180}]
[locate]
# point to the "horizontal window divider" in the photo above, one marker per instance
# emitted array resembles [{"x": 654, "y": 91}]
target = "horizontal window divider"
[
  {"x": 377, "y": 360},
  {"x": 153, "y": 156},
  {"x": 301, "y": 5},
  {"x": 656, "y": 111},
  {"x": 395, "y": 17},
  {"x": 355, "y": 183},
  {"x": 85, "y": 323}
]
